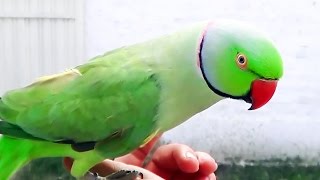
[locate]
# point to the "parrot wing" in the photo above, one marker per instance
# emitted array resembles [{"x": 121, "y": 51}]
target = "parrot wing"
[
  {"x": 15, "y": 131},
  {"x": 85, "y": 104}
]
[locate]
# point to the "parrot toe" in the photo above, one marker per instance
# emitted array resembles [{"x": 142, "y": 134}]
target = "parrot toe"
[
  {"x": 119, "y": 175},
  {"x": 92, "y": 176},
  {"x": 125, "y": 175}
]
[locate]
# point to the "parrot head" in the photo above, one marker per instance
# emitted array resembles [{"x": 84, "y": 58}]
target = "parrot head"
[{"x": 239, "y": 62}]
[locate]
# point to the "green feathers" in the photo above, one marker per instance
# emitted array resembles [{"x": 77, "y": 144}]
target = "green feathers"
[
  {"x": 15, "y": 131},
  {"x": 86, "y": 104},
  {"x": 118, "y": 101},
  {"x": 223, "y": 42}
]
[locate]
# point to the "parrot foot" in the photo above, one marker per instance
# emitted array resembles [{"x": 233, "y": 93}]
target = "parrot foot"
[
  {"x": 120, "y": 175},
  {"x": 92, "y": 176},
  {"x": 125, "y": 175}
]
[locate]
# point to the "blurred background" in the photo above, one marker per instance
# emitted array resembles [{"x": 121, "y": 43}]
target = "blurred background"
[{"x": 279, "y": 141}]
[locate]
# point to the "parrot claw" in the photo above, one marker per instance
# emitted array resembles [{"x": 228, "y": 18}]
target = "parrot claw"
[
  {"x": 125, "y": 175},
  {"x": 120, "y": 175},
  {"x": 92, "y": 176}
]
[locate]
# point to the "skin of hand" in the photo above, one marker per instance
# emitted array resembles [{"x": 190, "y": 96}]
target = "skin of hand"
[{"x": 171, "y": 161}]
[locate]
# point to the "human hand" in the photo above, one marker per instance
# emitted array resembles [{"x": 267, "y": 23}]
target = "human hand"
[{"x": 172, "y": 161}]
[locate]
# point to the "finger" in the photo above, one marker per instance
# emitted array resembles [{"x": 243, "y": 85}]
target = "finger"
[
  {"x": 105, "y": 168},
  {"x": 207, "y": 164},
  {"x": 137, "y": 157},
  {"x": 212, "y": 177},
  {"x": 176, "y": 157},
  {"x": 67, "y": 161}
]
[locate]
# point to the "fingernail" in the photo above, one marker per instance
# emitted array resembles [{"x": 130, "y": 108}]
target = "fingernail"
[{"x": 190, "y": 155}]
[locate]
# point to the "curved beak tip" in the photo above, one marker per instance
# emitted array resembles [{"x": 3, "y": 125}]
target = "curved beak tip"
[{"x": 262, "y": 91}]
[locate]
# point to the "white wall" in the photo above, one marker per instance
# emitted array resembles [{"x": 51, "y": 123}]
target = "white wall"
[
  {"x": 38, "y": 37},
  {"x": 288, "y": 126}
]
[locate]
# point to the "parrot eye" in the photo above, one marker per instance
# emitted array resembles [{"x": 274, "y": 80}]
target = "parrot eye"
[{"x": 241, "y": 61}]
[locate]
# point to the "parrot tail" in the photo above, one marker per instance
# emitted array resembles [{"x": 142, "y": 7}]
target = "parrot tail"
[
  {"x": 18, "y": 147},
  {"x": 14, "y": 153}
]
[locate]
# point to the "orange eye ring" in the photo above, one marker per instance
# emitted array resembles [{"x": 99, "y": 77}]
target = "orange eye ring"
[{"x": 241, "y": 61}]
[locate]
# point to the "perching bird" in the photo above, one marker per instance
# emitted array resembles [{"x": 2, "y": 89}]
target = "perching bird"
[{"x": 117, "y": 102}]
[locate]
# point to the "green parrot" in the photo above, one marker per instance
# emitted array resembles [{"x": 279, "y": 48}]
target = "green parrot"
[{"x": 118, "y": 101}]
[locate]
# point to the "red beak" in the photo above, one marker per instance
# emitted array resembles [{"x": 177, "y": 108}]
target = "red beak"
[{"x": 261, "y": 92}]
